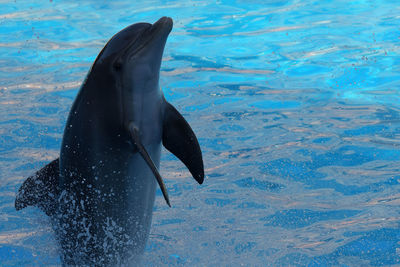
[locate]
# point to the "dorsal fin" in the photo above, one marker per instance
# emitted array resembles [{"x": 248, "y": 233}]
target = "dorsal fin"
[{"x": 41, "y": 189}]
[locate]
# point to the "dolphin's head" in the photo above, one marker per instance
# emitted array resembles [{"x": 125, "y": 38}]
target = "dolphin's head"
[
  {"x": 132, "y": 57},
  {"x": 126, "y": 73}
]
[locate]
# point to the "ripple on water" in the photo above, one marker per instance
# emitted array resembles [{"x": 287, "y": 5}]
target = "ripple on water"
[{"x": 295, "y": 104}]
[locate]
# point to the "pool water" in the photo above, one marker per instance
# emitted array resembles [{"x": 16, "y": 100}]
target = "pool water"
[{"x": 295, "y": 104}]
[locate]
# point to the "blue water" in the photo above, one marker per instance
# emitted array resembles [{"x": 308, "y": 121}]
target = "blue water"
[{"x": 295, "y": 104}]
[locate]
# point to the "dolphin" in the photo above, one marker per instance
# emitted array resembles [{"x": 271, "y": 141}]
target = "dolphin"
[{"x": 99, "y": 193}]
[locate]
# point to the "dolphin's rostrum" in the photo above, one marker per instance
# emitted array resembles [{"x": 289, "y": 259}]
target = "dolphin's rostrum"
[{"x": 100, "y": 192}]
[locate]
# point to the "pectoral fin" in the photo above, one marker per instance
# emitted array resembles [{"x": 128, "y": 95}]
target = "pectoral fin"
[
  {"x": 134, "y": 132},
  {"x": 40, "y": 189},
  {"x": 180, "y": 140}
]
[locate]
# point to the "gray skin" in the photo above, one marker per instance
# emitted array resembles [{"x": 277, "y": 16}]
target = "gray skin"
[{"x": 100, "y": 193}]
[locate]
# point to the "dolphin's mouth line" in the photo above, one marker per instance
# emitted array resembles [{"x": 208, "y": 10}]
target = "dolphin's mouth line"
[
  {"x": 136, "y": 50},
  {"x": 152, "y": 36}
]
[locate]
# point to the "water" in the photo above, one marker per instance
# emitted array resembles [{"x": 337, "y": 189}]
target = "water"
[{"x": 295, "y": 103}]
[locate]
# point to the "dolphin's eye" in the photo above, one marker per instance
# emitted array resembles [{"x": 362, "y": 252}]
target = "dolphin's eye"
[{"x": 117, "y": 65}]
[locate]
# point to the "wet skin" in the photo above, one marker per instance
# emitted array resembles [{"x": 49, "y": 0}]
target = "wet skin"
[{"x": 100, "y": 193}]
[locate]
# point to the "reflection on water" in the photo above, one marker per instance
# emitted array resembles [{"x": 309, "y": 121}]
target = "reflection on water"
[{"x": 295, "y": 104}]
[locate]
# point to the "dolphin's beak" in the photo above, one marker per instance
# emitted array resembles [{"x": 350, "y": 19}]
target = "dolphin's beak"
[
  {"x": 158, "y": 34},
  {"x": 153, "y": 39},
  {"x": 164, "y": 25}
]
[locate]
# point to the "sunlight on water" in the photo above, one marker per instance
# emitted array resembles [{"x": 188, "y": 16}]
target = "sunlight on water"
[{"x": 295, "y": 104}]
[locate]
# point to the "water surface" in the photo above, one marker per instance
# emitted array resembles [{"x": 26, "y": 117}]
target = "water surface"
[{"x": 295, "y": 104}]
